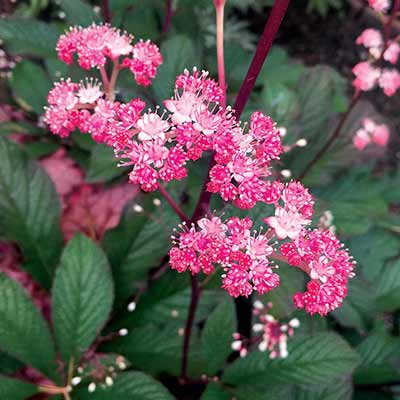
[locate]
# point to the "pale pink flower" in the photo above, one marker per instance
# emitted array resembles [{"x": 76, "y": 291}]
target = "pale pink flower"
[
  {"x": 89, "y": 92},
  {"x": 392, "y": 52},
  {"x": 379, "y": 5},
  {"x": 389, "y": 81},
  {"x": 370, "y": 38},
  {"x": 152, "y": 127},
  {"x": 287, "y": 223},
  {"x": 381, "y": 135},
  {"x": 361, "y": 139},
  {"x": 366, "y": 76}
]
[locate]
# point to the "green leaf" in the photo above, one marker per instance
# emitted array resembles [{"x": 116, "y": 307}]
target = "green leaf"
[
  {"x": 376, "y": 352},
  {"x": 103, "y": 166},
  {"x": 179, "y": 53},
  {"x": 340, "y": 389},
  {"x": 215, "y": 392},
  {"x": 358, "y": 307},
  {"x": 15, "y": 389},
  {"x": 263, "y": 392},
  {"x": 9, "y": 365},
  {"x": 388, "y": 288},
  {"x": 128, "y": 386},
  {"x": 78, "y": 12},
  {"x": 142, "y": 244},
  {"x": 28, "y": 36},
  {"x": 30, "y": 211},
  {"x": 82, "y": 296},
  {"x": 363, "y": 249},
  {"x": 24, "y": 128},
  {"x": 30, "y": 85},
  {"x": 141, "y": 21},
  {"x": 312, "y": 360},
  {"x": 148, "y": 343},
  {"x": 217, "y": 335},
  {"x": 23, "y": 331}
]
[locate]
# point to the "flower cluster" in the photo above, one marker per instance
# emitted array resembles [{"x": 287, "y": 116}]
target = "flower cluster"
[
  {"x": 270, "y": 334},
  {"x": 247, "y": 257},
  {"x": 379, "y": 5},
  {"x": 89, "y": 106},
  {"x": 371, "y": 133},
  {"x": 321, "y": 255},
  {"x": 242, "y": 254},
  {"x": 94, "y": 44},
  {"x": 159, "y": 145},
  {"x": 370, "y": 73}
]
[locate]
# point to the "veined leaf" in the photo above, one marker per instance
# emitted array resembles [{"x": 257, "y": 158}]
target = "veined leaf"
[
  {"x": 15, "y": 389},
  {"x": 312, "y": 360},
  {"x": 217, "y": 335},
  {"x": 30, "y": 211},
  {"x": 82, "y": 296},
  {"x": 23, "y": 332}
]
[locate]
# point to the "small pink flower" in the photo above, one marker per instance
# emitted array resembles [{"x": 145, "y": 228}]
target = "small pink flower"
[
  {"x": 370, "y": 38},
  {"x": 379, "y": 5},
  {"x": 381, "y": 135},
  {"x": 287, "y": 223},
  {"x": 392, "y": 52},
  {"x": 366, "y": 76},
  {"x": 389, "y": 81},
  {"x": 361, "y": 139}
]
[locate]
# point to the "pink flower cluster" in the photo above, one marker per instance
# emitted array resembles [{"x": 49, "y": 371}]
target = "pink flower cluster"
[
  {"x": 243, "y": 255},
  {"x": 94, "y": 44},
  {"x": 371, "y": 133},
  {"x": 329, "y": 266},
  {"x": 369, "y": 73},
  {"x": 270, "y": 334},
  {"x": 89, "y": 106}
]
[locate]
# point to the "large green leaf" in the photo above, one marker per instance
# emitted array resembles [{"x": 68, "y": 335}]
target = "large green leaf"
[
  {"x": 150, "y": 342},
  {"x": 30, "y": 211},
  {"x": 23, "y": 331},
  {"x": 340, "y": 389},
  {"x": 215, "y": 392},
  {"x": 388, "y": 288},
  {"x": 363, "y": 249},
  {"x": 15, "y": 389},
  {"x": 137, "y": 245},
  {"x": 82, "y": 296},
  {"x": 78, "y": 12},
  {"x": 28, "y": 36},
  {"x": 30, "y": 85},
  {"x": 103, "y": 165},
  {"x": 313, "y": 359},
  {"x": 128, "y": 386},
  {"x": 217, "y": 335},
  {"x": 179, "y": 53},
  {"x": 378, "y": 353}
]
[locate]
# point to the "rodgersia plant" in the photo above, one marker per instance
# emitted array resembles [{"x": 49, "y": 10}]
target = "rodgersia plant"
[{"x": 262, "y": 230}]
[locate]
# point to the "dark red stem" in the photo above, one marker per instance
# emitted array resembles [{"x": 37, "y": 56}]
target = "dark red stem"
[
  {"x": 168, "y": 16},
  {"x": 105, "y": 10},
  {"x": 264, "y": 45},
  {"x": 278, "y": 11},
  {"x": 189, "y": 325},
  {"x": 178, "y": 211}
]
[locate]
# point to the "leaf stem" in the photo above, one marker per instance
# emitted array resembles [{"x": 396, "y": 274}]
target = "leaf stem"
[
  {"x": 219, "y": 11},
  {"x": 168, "y": 17},
  {"x": 264, "y": 45},
  {"x": 105, "y": 10},
  {"x": 189, "y": 325},
  {"x": 113, "y": 81},
  {"x": 178, "y": 211}
]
